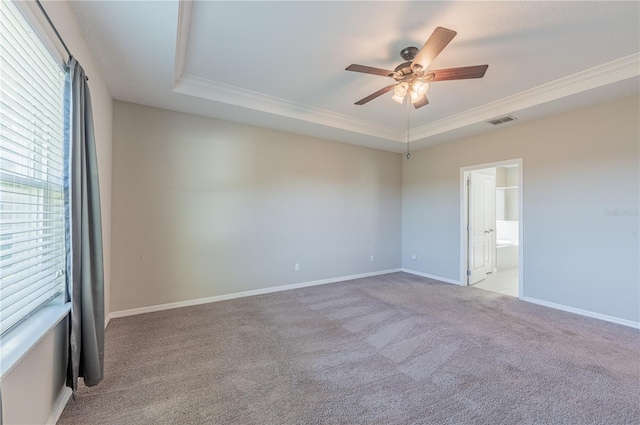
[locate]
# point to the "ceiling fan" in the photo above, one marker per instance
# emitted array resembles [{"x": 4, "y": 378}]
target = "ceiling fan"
[{"x": 413, "y": 76}]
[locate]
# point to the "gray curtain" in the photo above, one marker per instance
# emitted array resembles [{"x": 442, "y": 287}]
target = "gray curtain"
[{"x": 85, "y": 273}]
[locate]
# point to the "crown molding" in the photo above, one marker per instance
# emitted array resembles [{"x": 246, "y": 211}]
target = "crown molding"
[
  {"x": 182, "y": 37},
  {"x": 219, "y": 92},
  {"x": 602, "y": 75}
]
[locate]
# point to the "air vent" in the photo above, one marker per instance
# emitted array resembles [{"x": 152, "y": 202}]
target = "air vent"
[{"x": 501, "y": 120}]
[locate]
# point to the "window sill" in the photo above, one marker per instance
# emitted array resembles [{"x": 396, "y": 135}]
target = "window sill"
[{"x": 17, "y": 343}]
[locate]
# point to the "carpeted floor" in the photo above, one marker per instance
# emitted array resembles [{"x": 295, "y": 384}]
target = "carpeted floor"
[{"x": 392, "y": 349}]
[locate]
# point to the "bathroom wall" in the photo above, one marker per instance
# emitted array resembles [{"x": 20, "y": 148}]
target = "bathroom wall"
[
  {"x": 506, "y": 176},
  {"x": 506, "y": 199},
  {"x": 507, "y": 231},
  {"x": 501, "y": 176}
]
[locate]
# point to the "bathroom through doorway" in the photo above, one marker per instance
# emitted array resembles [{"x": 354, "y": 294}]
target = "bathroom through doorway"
[{"x": 491, "y": 227}]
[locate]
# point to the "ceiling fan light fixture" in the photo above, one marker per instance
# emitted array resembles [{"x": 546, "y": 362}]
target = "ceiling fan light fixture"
[
  {"x": 399, "y": 99},
  {"x": 420, "y": 87},
  {"x": 419, "y": 101},
  {"x": 414, "y": 96},
  {"x": 412, "y": 76},
  {"x": 401, "y": 89}
]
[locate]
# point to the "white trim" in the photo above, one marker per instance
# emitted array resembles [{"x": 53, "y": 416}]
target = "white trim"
[
  {"x": 598, "y": 76},
  {"x": 182, "y": 38},
  {"x": 19, "y": 342},
  {"x": 464, "y": 249},
  {"x": 464, "y": 233},
  {"x": 200, "y": 87},
  {"x": 106, "y": 320},
  {"x": 430, "y": 276},
  {"x": 61, "y": 403},
  {"x": 520, "y": 229},
  {"x": 219, "y": 92},
  {"x": 587, "y": 313},
  {"x": 169, "y": 306}
]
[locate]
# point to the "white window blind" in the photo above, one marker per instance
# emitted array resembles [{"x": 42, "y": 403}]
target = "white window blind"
[{"x": 32, "y": 229}]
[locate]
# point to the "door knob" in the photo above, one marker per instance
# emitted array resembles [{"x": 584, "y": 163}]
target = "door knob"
[{"x": 486, "y": 231}]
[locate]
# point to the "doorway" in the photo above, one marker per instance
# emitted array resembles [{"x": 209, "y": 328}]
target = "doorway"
[{"x": 491, "y": 227}]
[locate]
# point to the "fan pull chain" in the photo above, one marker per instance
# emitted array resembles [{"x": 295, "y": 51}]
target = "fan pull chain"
[{"x": 408, "y": 136}]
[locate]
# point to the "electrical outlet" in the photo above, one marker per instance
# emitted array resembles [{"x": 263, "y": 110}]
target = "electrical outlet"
[
  {"x": 296, "y": 267},
  {"x": 414, "y": 257},
  {"x": 371, "y": 258}
]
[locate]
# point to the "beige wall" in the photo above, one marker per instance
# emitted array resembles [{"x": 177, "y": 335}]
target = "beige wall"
[
  {"x": 203, "y": 207},
  {"x": 576, "y": 166},
  {"x": 31, "y": 388}
]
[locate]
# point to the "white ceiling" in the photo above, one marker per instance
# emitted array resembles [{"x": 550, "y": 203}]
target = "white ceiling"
[{"x": 281, "y": 65}]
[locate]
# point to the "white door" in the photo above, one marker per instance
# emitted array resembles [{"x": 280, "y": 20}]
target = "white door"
[
  {"x": 489, "y": 189},
  {"x": 481, "y": 222}
]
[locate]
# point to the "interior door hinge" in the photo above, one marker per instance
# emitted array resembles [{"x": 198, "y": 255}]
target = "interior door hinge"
[
  {"x": 468, "y": 182},
  {"x": 468, "y": 272},
  {"x": 468, "y": 228}
]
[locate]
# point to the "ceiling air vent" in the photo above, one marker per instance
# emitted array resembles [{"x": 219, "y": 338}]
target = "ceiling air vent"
[{"x": 501, "y": 120}]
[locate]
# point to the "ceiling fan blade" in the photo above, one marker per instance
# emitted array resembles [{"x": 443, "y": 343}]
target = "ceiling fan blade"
[
  {"x": 368, "y": 70},
  {"x": 462, "y": 73},
  {"x": 432, "y": 48},
  {"x": 376, "y": 94},
  {"x": 421, "y": 102}
]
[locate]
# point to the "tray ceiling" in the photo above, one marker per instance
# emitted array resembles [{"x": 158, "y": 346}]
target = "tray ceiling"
[{"x": 280, "y": 65}]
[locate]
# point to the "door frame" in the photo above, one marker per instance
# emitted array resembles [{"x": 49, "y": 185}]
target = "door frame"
[{"x": 464, "y": 219}]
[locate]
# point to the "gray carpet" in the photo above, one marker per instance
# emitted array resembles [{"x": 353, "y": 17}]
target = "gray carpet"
[{"x": 392, "y": 349}]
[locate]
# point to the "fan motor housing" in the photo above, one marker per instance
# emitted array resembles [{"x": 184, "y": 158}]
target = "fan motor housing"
[
  {"x": 409, "y": 53},
  {"x": 402, "y": 71}
]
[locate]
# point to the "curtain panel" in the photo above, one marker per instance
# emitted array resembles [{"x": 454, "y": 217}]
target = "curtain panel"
[{"x": 85, "y": 269}]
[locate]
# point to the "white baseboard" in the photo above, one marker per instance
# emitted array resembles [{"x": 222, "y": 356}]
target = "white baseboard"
[
  {"x": 62, "y": 401},
  {"x": 587, "y": 313},
  {"x": 430, "y": 276},
  {"x": 106, "y": 320},
  {"x": 169, "y": 306}
]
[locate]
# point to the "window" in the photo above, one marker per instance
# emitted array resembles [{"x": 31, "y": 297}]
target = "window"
[{"x": 32, "y": 226}]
